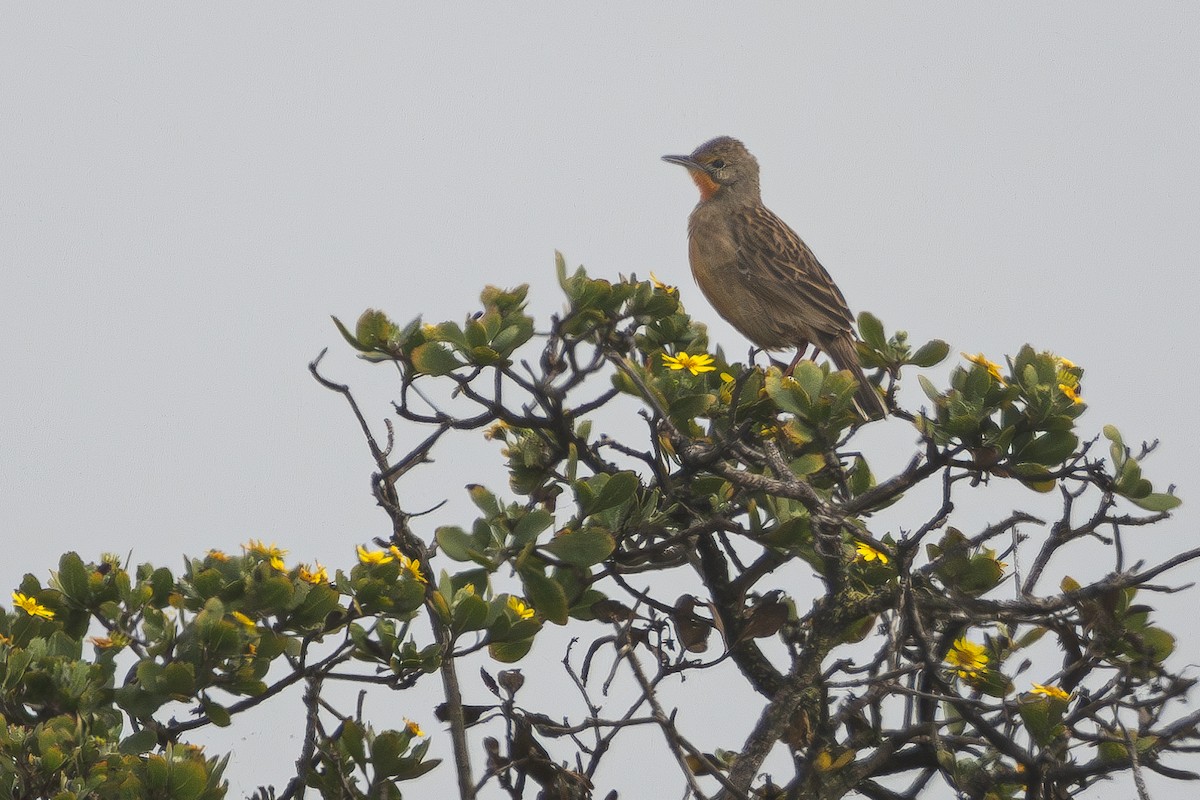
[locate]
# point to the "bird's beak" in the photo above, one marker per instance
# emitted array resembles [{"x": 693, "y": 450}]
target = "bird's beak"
[{"x": 684, "y": 161}]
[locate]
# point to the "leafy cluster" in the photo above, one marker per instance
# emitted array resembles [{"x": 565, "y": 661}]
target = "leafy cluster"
[
  {"x": 640, "y": 458},
  {"x": 203, "y": 643}
]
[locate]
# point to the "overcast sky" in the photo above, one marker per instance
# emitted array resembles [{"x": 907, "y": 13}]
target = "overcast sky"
[{"x": 187, "y": 194}]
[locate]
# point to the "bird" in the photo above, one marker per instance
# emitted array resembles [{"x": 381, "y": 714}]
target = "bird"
[{"x": 758, "y": 274}]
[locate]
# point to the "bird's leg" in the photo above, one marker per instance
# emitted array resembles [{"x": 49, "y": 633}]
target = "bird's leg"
[{"x": 801, "y": 347}]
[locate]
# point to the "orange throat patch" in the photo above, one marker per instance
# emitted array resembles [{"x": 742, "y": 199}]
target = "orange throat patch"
[{"x": 708, "y": 187}]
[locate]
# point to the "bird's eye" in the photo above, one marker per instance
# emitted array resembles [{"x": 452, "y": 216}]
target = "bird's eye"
[{"x": 717, "y": 163}]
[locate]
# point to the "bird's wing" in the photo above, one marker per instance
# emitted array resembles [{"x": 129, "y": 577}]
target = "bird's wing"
[{"x": 792, "y": 279}]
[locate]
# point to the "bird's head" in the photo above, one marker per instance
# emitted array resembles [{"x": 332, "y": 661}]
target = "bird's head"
[{"x": 721, "y": 166}]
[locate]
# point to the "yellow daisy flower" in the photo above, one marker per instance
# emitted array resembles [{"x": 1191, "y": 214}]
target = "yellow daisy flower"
[
  {"x": 660, "y": 285},
  {"x": 259, "y": 548},
  {"x": 701, "y": 362},
  {"x": 1050, "y": 691},
  {"x": 245, "y": 620},
  {"x": 412, "y": 565},
  {"x": 518, "y": 606},
  {"x": 967, "y": 658},
  {"x": 991, "y": 366},
  {"x": 366, "y": 556},
  {"x": 30, "y": 606},
  {"x": 315, "y": 574},
  {"x": 1071, "y": 393},
  {"x": 868, "y": 553}
]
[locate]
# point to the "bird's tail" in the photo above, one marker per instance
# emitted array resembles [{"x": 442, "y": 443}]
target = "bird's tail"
[{"x": 867, "y": 399}]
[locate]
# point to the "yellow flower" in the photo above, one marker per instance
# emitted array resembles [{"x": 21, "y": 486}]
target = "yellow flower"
[
  {"x": 518, "y": 606},
  {"x": 30, "y": 606},
  {"x": 413, "y": 727},
  {"x": 991, "y": 366},
  {"x": 701, "y": 362},
  {"x": 259, "y": 548},
  {"x": 868, "y": 553},
  {"x": 429, "y": 330},
  {"x": 412, "y": 565},
  {"x": 316, "y": 574},
  {"x": 414, "y": 568},
  {"x": 968, "y": 658},
  {"x": 1050, "y": 691},
  {"x": 373, "y": 556},
  {"x": 5, "y": 639},
  {"x": 278, "y": 565},
  {"x": 726, "y": 390},
  {"x": 1066, "y": 363},
  {"x": 115, "y": 640},
  {"x": 242, "y": 618},
  {"x": 218, "y": 555},
  {"x": 1071, "y": 393},
  {"x": 660, "y": 285},
  {"x": 498, "y": 430},
  {"x": 251, "y": 648}
]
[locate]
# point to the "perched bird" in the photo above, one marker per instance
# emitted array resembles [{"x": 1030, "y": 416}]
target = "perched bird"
[{"x": 756, "y": 271}]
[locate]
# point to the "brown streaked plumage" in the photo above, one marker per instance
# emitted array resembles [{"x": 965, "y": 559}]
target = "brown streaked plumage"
[{"x": 757, "y": 273}]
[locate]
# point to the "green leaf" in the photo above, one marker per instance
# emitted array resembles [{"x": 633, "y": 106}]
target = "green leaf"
[
  {"x": 1042, "y": 718},
  {"x": 476, "y": 334},
  {"x": 374, "y": 330},
  {"x": 141, "y": 742},
  {"x": 871, "y": 330},
  {"x": 618, "y": 489},
  {"x": 793, "y": 533},
  {"x": 352, "y": 741},
  {"x": 811, "y": 379},
  {"x": 73, "y": 577},
  {"x": 484, "y": 500},
  {"x": 981, "y": 575},
  {"x": 217, "y": 713},
  {"x": 177, "y": 678},
  {"x": 1160, "y": 643},
  {"x": 546, "y": 595},
  {"x": 509, "y": 652},
  {"x": 529, "y": 526},
  {"x": 456, "y": 543},
  {"x": 931, "y": 353},
  {"x": 809, "y": 464},
  {"x": 691, "y": 406},
  {"x": 186, "y": 780},
  {"x": 347, "y": 335},
  {"x": 448, "y": 332},
  {"x": 1029, "y": 638},
  {"x": 994, "y": 683},
  {"x": 861, "y": 478},
  {"x": 434, "y": 358},
  {"x": 386, "y": 751},
  {"x": 1049, "y": 448},
  {"x": 931, "y": 391},
  {"x": 787, "y": 394},
  {"x": 1156, "y": 502},
  {"x": 415, "y": 768},
  {"x": 1117, "y": 448},
  {"x": 1035, "y": 476},
  {"x": 469, "y": 613},
  {"x": 484, "y": 356},
  {"x": 584, "y": 547}
]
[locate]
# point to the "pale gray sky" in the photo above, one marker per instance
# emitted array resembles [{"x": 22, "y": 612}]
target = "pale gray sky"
[{"x": 187, "y": 194}]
